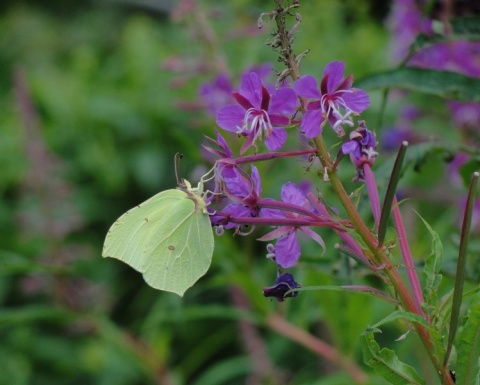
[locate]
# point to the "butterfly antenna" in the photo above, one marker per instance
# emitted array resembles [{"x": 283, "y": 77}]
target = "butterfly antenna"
[{"x": 177, "y": 158}]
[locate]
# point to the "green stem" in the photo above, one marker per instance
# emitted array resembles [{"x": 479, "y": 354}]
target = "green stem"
[{"x": 379, "y": 256}]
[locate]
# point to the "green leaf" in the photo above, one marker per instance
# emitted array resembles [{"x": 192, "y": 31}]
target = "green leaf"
[
  {"x": 461, "y": 265},
  {"x": 468, "y": 349},
  {"x": 467, "y": 169},
  {"x": 445, "y": 84},
  {"x": 390, "y": 193},
  {"x": 367, "y": 290},
  {"x": 433, "y": 265},
  {"x": 435, "y": 338},
  {"x": 386, "y": 364}
]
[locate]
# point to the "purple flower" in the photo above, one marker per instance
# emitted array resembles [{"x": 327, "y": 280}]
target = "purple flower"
[
  {"x": 392, "y": 137},
  {"x": 406, "y": 22},
  {"x": 361, "y": 146},
  {"x": 216, "y": 94},
  {"x": 287, "y": 251},
  {"x": 283, "y": 284},
  {"x": 335, "y": 94},
  {"x": 242, "y": 190},
  {"x": 465, "y": 115},
  {"x": 223, "y": 150},
  {"x": 258, "y": 113}
]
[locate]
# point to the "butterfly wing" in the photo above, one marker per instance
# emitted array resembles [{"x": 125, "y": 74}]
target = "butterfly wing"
[
  {"x": 183, "y": 252},
  {"x": 165, "y": 238}
]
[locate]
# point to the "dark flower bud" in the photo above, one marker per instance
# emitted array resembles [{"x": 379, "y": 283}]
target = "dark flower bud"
[{"x": 282, "y": 285}]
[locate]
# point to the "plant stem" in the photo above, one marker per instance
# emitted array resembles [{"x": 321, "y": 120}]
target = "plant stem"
[
  {"x": 380, "y": 257},
  {"x": 407, "y": 257}
]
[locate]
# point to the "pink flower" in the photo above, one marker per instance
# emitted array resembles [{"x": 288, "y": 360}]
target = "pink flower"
[
  {"x": 287, "y": 251},
  {"x": 258, "y": 113},
  {"x": 327, "y": 102}
]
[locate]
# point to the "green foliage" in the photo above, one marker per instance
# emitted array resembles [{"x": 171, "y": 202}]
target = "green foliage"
[
  {"x": 385, "y": 363},
  {"x": 107, "y": 114},
  {"x": 432, "y": 269},
  {"x": 467, "y": 344},
  {"x": 447, "y": 85}
]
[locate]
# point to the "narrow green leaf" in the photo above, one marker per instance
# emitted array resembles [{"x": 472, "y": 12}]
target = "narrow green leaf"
[
  {"x": 445, "y": 84},
  {"x": 461, "y": 265},
  {"x": 386, "y": 364},
  {"x": 467, "y": 344},
  {"x": 390, "y": 194},
  {"x": 433, "y": 265},
  {"x": 354, "y": 289}
]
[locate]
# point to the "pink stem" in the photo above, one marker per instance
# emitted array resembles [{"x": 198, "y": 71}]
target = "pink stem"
[
  {"x": 344, "y": 236},
  {"x": 407, "y": 257}
]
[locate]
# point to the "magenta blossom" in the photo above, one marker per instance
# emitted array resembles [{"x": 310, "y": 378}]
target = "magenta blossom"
[
  {"x": 287, "y": 251},
  {"x": 327, "y": 102},
  {"x": 361, "y": 147},
  {"x": 258, "y": 113},
  {"x": 243, "y": 191},
  {"x": 216, "y": 93}
]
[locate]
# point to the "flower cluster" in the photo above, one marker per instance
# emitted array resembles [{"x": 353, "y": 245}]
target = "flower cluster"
[{"x": 260, "y": 113}]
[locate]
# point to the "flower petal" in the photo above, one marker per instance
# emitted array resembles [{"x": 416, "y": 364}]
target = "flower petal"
[
  {"x": 257, "y": 185},
  {"x": 277, "y": 233},
  {"x": 312, "y": 123},
  {"x": 251, "y": 88},
  {"x": 312, "y": 234},
  {"x": 230, "y": 117},
  {"x": 222, "y": 143},
  {"x": 350, "y": 146},
  {"x": 292, "y": 194},
  {"x": 287, "y": 250},
  {"x": 236, "y": 210},
  {"x": 217, "y": 93},
  {"x": 357, "y": 100},
  {"x": 271, "y": 213},
  {"x": 307, "y": 87},
  {"x": 283, "y": 102},
  {"x": 279, "y": 120},
  {"x": 236, "y": 184},
  {"x": 335, "y": 71},
  {"x": 276, "y": 139}
]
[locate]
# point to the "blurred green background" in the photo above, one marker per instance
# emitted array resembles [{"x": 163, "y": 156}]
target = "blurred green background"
[{"x": 95, "y": 99}]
